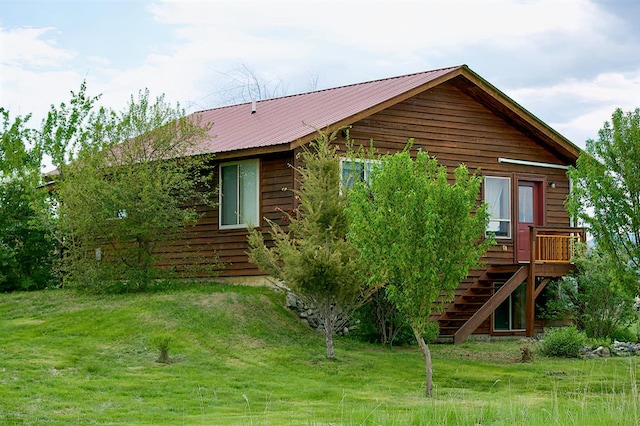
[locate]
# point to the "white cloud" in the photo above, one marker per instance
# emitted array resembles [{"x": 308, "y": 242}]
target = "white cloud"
[
  {"x": 589, "y": 102},
  {"x": 554, "y": 54},
  {"x": 26, "y": 46},
  {"x": 395, "y": 27},
  {"x": 607, "y": 87}
]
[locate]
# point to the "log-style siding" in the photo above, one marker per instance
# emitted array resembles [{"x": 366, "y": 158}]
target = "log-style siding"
[
  {"x": 456, "y": 129},
  {"x": 445, "y": 121},
  {"x": 205, "y": 244}
]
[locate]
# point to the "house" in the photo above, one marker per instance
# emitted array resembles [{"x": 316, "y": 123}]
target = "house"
[{"x": 452, "y": 113}]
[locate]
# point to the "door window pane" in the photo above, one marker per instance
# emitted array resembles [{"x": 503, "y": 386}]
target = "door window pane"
[
  {"x": 525, "y": 204},
  {"x": 518, "y": 306},
  {"x": 501, "y": 314}
]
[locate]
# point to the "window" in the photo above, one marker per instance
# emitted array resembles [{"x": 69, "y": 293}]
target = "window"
[
  {"x": 511, "y": 314},
  {"x": 119, "y": 215},
  {"x": 355, "y": 170},
  {"x": 497, "y": 194},
  {"x": 239, "y": 197}
]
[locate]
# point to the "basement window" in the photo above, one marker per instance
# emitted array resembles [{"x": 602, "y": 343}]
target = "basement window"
[
  {"x": 239, "y": 194},
  {"x": 497, "y": 194}
]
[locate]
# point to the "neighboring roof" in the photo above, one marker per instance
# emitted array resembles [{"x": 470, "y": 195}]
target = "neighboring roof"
[{"x": 287, "y": 122}]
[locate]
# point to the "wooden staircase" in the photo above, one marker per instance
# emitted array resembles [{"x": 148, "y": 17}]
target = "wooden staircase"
[{"x": 477, "y": 303}]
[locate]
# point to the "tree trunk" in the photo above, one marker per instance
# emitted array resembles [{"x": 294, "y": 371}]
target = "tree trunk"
[
  {"x": 328, "y": 336},
  {"x": 427, "y": 360}
]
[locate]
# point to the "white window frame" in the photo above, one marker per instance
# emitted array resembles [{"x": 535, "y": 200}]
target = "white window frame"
[
  {"x": 240, "y": 223},
  {"x": 367, "y": 170},
  {"x": 508, "y": 219}
]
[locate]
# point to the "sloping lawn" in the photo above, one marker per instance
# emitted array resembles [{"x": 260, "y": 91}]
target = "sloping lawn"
[{"x": 240, "y": 358}]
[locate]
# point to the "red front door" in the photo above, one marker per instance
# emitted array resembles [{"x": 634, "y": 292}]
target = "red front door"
[{"x": 530, "y": 213}]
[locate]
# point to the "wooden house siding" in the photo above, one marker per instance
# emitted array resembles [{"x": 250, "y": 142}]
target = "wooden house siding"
[
  {"x": 456, "y": 128},
  {"x": 444, "y": 121},
  {"x": 458, "y": 121},
  {"x": 205, "y": 244}
]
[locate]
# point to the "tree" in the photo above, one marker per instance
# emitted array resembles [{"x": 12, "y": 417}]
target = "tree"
[
  {"x": 606, "y": 194},
  {"x": 245, "y": 85},
  {"x": 132, "y": 185},
  {"x": 68, "y": 129},
  {"x": 602, "y": 309},
  {"x": 314, "y": 258},
  {"x": 418, "y": 234},
  {"x": 25, "y": 247}
]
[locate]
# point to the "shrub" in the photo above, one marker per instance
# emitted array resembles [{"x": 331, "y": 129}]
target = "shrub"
[
  {"x": 26, "y": 249},
  {"x": 562, "y": 342},
  {"x": 161, "y": 343},
  {"x": 593, "y": 297},
  {"x": 603, "y": 308},
  {"x": 380, "y": 322}
]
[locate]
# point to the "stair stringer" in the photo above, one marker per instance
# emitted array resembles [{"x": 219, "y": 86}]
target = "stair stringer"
[{"x": 490, "y": 305}]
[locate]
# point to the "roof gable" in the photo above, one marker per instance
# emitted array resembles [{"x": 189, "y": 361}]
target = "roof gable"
[{"x": 287, "y": 122}]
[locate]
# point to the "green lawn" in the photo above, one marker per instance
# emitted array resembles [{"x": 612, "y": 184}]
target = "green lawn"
[{"x": 240, "y": 358}]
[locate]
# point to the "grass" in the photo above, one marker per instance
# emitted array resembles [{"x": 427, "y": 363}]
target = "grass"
[{"x": 238, "y": 357}]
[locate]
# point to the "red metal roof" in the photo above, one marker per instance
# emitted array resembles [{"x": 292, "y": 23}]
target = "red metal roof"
[{"x": 285, "y": 120}]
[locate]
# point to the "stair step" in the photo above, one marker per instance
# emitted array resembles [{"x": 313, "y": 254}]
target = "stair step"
[
  {"x": 456, "y": 315},
  {"x": 479, "y": 291},
  {"x": 456, "y": 320},
  {"x": 478, "y": 298},
  {"x": 467, "y": 305},
  {"x": 502, "y": 269}
]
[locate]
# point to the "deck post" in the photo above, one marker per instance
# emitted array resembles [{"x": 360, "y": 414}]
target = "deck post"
[{"x": 531, "y": 283}]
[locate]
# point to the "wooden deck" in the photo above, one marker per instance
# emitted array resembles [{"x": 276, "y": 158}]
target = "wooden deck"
[{"x": 552, "y": 253}]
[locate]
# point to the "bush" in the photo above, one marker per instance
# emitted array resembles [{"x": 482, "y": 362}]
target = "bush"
[
  {"x": 592, "y": 297},
  {"x": 380, "y": 322},
  {"x": 26, "y": 249},
  {"x": 604, "y": 308},
  {"x": 161, "y": 342},
  {"x": 562, "y": 342}
]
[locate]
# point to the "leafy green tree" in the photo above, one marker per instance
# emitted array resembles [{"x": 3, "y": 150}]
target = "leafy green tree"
[
  {"x": 419, "y": 234},
  {"x": 606, "y": 194},
  {"x": 602, "y": 309},
  {"x": 131, "y": 185},
  {"x": 25, "y": 247},
  {"x": 314, "y": 258},
  {"x": 70, "y": 128}
]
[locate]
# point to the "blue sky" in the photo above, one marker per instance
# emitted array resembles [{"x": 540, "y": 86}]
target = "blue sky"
[{"x": 569, "y": 62}]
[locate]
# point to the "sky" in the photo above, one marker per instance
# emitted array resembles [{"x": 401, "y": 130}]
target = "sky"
[{"x": 571, "y": 63}]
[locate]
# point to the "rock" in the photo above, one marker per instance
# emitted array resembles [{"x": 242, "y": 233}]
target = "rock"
[{"x": 308, "y": 314}]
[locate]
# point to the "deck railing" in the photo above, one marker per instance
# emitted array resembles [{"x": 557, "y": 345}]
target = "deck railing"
[
  {"x": 554, "y": 246},
  {"x": 557, "y": 245}
]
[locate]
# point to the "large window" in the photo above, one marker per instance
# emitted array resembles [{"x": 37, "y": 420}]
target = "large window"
[
  {"x": 353, "y": 171},
  {"x": 497, "y": 194},
  {"x": 239, "y": 194}
]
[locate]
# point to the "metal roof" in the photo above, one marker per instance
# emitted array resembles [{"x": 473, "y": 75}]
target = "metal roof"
[
  {"x": 287, "y": 119},
  {"x": 287, "y": 122}
]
